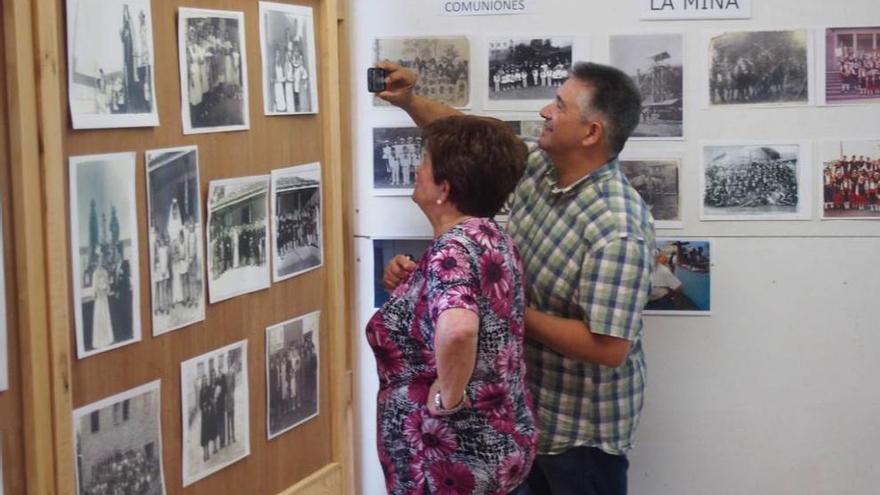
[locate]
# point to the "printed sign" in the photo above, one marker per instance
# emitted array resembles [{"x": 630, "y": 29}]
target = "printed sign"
[
  {"x": 664, "y": 10},
  {"x": 484, "y": 7}
]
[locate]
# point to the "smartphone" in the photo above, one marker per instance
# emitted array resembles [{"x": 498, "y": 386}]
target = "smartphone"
[{"x": 376, "y": 79}]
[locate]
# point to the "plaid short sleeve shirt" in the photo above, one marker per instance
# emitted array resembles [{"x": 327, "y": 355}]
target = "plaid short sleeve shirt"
[{"x": 588, "y": 253}]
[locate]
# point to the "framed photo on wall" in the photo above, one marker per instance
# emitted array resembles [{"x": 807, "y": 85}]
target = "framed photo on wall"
[
  {"x": 397, "y": 151},
  {"x": 681, "y": 283},
  {"x": 297, "y": 232},
  {"x": 110, "y": 64},
  {"x": 849, "y": 179},
  {"x": 287, "y": 44},
  {"x": 658, "y": 182},
  {"x": 443, "y": 65},
  {"x": 848, "y": 68},
  {"x": 292, "y": 373}
]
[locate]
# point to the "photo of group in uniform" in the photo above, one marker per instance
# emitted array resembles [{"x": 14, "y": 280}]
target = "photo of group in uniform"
[
  {"x": 681, "y": 283},
  {"x": 852, "y": 65},
  {"x": 292, "y": 373},
  {"x": 657, "y": 182},
  {"x": 105, "y": 252},
  {"x": 386, "y": 249},
  {"x": 175, "y": 226},
  {"x": 118, "y": 444},
  {"x": 397, "y": 151},
  {"x": 214, "y": 401},
  {"x": 759, "y": 67},
  {"x": 753, "y": 182},
  {"x": 528, "y": 68},
  {"x": 238, "y": 258},
  {"x": 851, "y": 179},
  {"x": 110, "y": 64},
  {"x": 213, "y": 71},
  {"x": 443, "y": 66},
  {"x": 297, "y": 239},
  {"x": 287, "y": 42},
  {"x": 655, "y": 63}
]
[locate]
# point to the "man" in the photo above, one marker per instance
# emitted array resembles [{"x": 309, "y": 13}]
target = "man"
[
  {"x": 666, "y": 288},
  {"x": 587, "y": 243}
]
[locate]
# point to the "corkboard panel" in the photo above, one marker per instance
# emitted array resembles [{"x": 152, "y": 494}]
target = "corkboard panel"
[
  {"x": 271, "y": 142},
  {"x": 11, "y": 425}
]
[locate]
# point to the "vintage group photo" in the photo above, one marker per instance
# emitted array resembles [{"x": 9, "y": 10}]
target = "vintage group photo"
[
  {"x": 383, "y": 252},
  {"x": 287, "y": 42},
  {"x": 681, "y": 283},
  {"x": 759, "y": 67},
  {"x": 104, "y": 241},
  {"x": 297, "y": 236},
  {"x": 118, "y": 443},
  {"x": 176, "y": 233},
  {"x": 851, "y": 179},
  {"x": 655, "y": 63},
  {"x": 754, "y": 182},
  {"x": 397, "y": 151},
  {"x": 292, "y": 373},
  {"x": 657, "y": 182},
  {"x": 214, "y": 402},
  {"x": 852, "y": 65},
  {"x": 213, "y": 71},
  {"x": 443, "y": 66},
  {"x": 110, "y": 64},
  {"x": 238, "y": 232},
  {"x": 523, "y": 68}
]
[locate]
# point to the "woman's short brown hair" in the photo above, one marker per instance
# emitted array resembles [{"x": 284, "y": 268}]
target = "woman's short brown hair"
[{"x": 480, "y": 157}]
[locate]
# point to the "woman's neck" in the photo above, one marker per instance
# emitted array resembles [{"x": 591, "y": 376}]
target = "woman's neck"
[{"x": 444, "y": 221}]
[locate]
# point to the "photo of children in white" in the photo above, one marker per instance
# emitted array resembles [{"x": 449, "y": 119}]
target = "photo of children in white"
[{"x": 288, "y": 46}]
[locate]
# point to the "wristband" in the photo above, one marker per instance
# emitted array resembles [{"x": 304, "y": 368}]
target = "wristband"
[{"x": 442, "y": 411}]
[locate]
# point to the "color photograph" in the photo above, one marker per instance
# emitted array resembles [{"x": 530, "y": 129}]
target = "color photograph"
[
  {"x": 177, "y": 279},
  {"x": 287, "y": 43},
  {"x": 443, "y": 66},
  {"x": 238, "y": 231},
  {"x": 214, "y": 403},
  {"x": 104, "y": 242},
  {"x": 384, "y": 250},
  {"x": 850, "y": 179},
  {"x": 297, "y": 235},
  {"x": 110, "y": 64},
  {"x": 118, "y": 444},
  {"x": 213, "y": 71},
  {"x": 681, "y": 283},
  {"x": 292, "y": 373},
  {"x": 851, "y": 63}
]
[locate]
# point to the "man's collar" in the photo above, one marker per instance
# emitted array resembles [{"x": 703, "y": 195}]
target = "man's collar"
[{"x": 591, "y": 178}]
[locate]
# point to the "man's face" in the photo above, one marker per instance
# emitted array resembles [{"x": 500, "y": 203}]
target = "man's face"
[{"x": 564, "y": 127}]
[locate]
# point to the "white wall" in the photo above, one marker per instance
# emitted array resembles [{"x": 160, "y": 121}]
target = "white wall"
[{"x": 775, "y": 393}]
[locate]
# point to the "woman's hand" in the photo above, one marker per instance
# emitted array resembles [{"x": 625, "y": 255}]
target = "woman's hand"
[
  {"x": 432, "y": 406},
  {"x": 397, "y": 271}
]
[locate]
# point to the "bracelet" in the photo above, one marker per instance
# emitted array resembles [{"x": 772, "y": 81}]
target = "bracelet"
[{"x": 442, "y": 411}]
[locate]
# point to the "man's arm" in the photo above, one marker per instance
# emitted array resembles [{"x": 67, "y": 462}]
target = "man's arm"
[
  {"x": 573, "y": 339},
  {"x": 399, "y": 85}
]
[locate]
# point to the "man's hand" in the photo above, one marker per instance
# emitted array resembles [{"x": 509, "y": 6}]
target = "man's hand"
[
  {"x": 399, "y": 84},
  {"x": 397, "y": 271}
]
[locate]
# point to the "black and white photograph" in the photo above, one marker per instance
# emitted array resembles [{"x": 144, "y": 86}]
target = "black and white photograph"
[
  {"x": 238, "y": 231},
  {"x": 681, "y": 283},
  {"x": 526, "y": 69},
  {"x": 4, "y": 353},
  {"x": 850, "y": 179},
  {"x": 287, "y": 43},
  {"x": 213, "y": 71},
  {"x": 755, "y": 182},
  {"x": 177, "y": 278},
  {"x": 214, "y": 403},
  {"x": 655, "y": 63},
  {"x": 443, "y": 66},
  {"x": 104, "y": 245},
  {"x": 118, "y": 444},
  {"x": 658, "y": 183},
  {"x": 397, "y": 151},
  {"x": 526, "y": 129},
  {"x": 292, "y": 373},
  {"x": 849, "y": 65},
  {"x": 384, "y": 250},
  {"x": 110, "y": 62},
  {"x": 770, "y": 68},
  {"x": 297, "y": 236}
]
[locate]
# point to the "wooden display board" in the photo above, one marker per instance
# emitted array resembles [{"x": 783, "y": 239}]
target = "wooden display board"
[{"x": 314, "y": 457}]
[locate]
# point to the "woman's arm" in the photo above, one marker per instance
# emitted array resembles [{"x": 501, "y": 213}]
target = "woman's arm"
[{"x": 455, "y": 348}]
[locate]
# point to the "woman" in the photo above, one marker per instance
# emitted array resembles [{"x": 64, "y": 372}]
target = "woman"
[
  {"x": 453, "y": 413},
  {"x": 102, "y": 327}
]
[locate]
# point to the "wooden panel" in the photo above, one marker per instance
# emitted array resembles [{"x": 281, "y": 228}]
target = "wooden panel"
[{"x": 327, "y": 481}]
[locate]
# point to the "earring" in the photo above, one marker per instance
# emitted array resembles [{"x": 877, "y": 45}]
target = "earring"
[{"x": 439, "y": 202}]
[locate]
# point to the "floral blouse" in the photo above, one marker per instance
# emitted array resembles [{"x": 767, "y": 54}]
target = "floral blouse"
[{"x": 487, "y": 448}]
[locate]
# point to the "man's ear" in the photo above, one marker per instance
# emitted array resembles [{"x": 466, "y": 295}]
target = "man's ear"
[{"x": 595, "y": 133}]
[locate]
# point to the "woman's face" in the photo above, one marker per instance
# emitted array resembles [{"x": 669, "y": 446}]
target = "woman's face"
[{"x": 426, "y": 192}]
